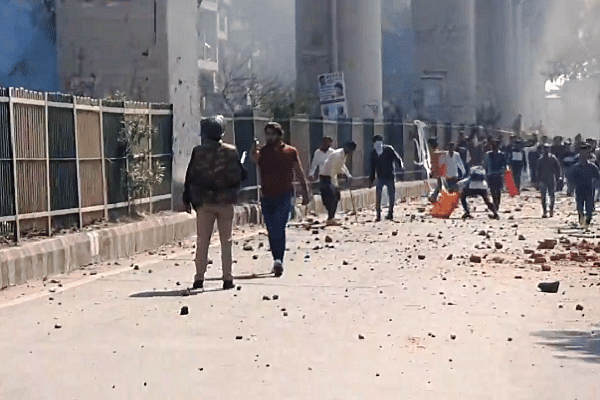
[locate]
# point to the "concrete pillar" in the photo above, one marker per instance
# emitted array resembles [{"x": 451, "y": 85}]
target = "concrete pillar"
[
  {"x": 445, "y": 36},
  {"x": 359, "y": 46},
  {"x": 300, "y": 134},
  {"x": 410, "y": 131},
  {"x": 358, "y": 158},
  {"x": 184, "y": 94},
  {"x": 330, "y": 129}
]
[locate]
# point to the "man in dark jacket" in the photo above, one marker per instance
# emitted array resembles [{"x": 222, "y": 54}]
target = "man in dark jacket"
[
  {"x": 383, "y": 159},
  {"x": 582, "y": 175},
  {"x": 495, "y": 165},
  {"x": 548, "y": 174},
  {"x": 212, "y": 183}
]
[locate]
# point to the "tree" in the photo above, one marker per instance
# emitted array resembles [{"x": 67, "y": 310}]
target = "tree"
[
  {"x": 243, "y": 89},
  {"x": 142, "y": 173}
]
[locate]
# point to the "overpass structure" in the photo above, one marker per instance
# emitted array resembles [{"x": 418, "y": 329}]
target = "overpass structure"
[{"x": 470, "y": 55}]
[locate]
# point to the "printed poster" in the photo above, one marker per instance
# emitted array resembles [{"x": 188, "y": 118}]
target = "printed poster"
[{"x": 332, "y": 95}]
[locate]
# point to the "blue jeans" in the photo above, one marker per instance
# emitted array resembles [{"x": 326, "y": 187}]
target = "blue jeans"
[
  {"x": 584, "y": 197},
  {"x": 276, "y": 212},
  {"x": 391, "y": 189}
]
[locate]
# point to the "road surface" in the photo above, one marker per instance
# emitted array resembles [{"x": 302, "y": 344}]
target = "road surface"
[{"x": 389, "y": 310}]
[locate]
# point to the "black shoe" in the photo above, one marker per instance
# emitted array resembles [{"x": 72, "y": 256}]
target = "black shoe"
[
  {"x": 389, "y": 217},
  {"x": 277, "y": 268},
  {"x": 228, "y": 285},
  {"x": 378, "y": 219},
  {"x": 198, "y": 284},
  {"x": 466, "y": 215}
]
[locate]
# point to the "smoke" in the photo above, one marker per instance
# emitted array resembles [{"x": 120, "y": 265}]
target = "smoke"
[
  {"x": 564, "y": 88},
  {"x": 264, "y": 29},
  {"x": 28, "y": 51}
]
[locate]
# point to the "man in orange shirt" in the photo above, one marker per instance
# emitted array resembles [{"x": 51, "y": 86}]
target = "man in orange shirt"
[{"x": 277, "y": 163}]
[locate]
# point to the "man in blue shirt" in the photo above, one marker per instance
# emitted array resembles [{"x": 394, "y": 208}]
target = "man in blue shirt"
[
  {"x": 582, "y": 175},
  {"x": 383, "y": 159}
]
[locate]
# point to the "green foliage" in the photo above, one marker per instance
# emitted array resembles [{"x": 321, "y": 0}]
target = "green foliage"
[{"x": 142, "y": 173}]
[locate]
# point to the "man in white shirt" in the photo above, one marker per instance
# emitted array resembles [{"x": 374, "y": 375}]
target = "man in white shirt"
[
  {"x": 334, "y": 165},
  {"x": 475, "y": 185},
  {"x": 319, "y": 158},
  {"x": 453, "y": 164}
]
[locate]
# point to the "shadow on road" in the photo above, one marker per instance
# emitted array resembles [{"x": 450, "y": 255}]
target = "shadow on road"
[
  {"x": 193, "y": 292},
  {"x": 586, "y": 345}
]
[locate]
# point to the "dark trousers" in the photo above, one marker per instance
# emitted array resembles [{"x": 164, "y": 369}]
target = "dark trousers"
[
  {"x": 391, "y": 189},
  {"x": 276, "y": 212},
  {"x": 517, "y": 168},
  {"x": 474, "y": 193},
  {"x": 547, "y": 190},
  {"x": 495, "y": 182},
  {"x": 330, "y": 195},
  {"x": 584, "y": 197}
]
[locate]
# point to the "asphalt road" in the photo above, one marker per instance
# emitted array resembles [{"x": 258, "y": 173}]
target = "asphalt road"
[{"x": 380, "y": 312}]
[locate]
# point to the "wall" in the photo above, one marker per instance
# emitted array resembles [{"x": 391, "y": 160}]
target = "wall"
[
  {"x": 445, "y": 36},
  {"x": 28, "y": 50},
  {"x": 107, "y": 46},
  {"x": 145, "y": 49}
]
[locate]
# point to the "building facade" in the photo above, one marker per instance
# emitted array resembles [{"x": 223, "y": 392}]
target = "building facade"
[
  {"x": 340, "y": 36},
  {"x": 144, "y": 49}
]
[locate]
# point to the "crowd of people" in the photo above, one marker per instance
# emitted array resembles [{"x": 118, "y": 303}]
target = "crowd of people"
[
  {"x": 474, "y": 166},
  {"x": 482, "y": 162}
]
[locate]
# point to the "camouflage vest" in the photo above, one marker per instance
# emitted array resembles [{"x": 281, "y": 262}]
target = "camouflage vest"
[{"x": 214, "y": 174}]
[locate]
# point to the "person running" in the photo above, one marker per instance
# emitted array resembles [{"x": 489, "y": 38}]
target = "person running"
[
  {"x": 548, "y": 175},
  {"x": 212, "y": 184},
  {"x": 582, "y": 175},
  {"x": 330, "y": 193},
  {"x": 517, "y": 162},
  {"x": 495, "y": 165},
  {"x": 475, "y": 185},
  {"x": 278, "y": 163},
  {"x": 454, "y": 166},
  {"x": 319, "y": 157},
  {"x": 383, "y": 158}
]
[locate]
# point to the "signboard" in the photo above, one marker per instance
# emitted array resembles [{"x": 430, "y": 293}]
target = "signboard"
[{"x": 332, "y": 95}]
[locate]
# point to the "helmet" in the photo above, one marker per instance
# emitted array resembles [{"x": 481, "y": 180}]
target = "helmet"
[{"x": 212, "y": 128}]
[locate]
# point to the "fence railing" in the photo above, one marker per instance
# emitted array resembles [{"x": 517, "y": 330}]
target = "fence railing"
[{"x": 62, "y": 165}]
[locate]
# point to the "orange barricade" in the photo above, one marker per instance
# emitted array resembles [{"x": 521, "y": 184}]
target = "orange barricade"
[
  {"x": 445, "y": 205},
  {"x": 510, "y": 183}
]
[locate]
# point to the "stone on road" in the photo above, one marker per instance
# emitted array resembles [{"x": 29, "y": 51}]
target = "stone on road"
[{"x": 414, "y": 308}]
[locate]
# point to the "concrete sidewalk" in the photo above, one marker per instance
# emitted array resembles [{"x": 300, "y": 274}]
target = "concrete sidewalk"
[{"x": 62, "y": 254}]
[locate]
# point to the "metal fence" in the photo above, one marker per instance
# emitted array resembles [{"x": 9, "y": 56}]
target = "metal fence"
[{"x": 62, "y": 166}]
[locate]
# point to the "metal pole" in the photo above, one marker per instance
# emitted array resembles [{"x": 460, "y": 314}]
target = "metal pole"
[
  {"x": 77, "y": 161},
  {"x": 150, "y": 126},
  {"x": 14, "y": 159},
  {"x": 103, "y": 162},
  {"x": 47, "y": 143}
]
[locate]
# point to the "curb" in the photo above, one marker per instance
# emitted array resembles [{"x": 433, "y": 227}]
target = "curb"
[{"x": 63, "y": 254}]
